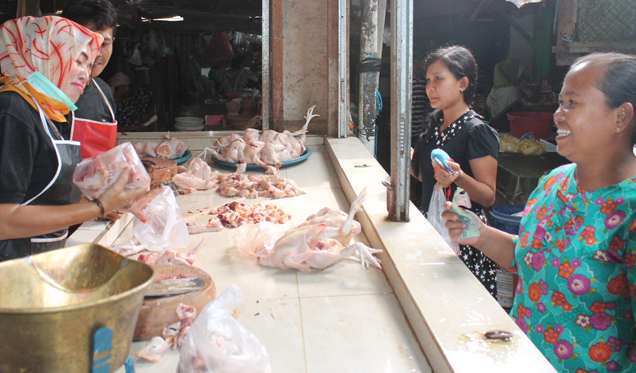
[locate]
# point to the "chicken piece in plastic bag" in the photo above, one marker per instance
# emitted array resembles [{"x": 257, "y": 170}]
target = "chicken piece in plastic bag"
[
  {"x": 92, "y": 176},
  {"x": 217, "y": 343},
  {"x": 164, "y": 228}
]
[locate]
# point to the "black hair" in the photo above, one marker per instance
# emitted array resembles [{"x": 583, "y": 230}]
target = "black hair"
[
  {"x": 461, "y": 62},
  {"x": 101, "y": 13},
  {"x": 616, "y": 80}
]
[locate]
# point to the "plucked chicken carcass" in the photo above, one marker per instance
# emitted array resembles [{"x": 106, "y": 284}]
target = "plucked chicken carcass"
[
  {"x": 92, "y": 176},
  {"x": 322, "y": 240},
  {"x": 232, "y": 152},
  {"x": 170, "y": 148},
  {"x": 197, "y": 176},
  {"x": 267, "y": 149},
  {"x": 146, "y": 148}
]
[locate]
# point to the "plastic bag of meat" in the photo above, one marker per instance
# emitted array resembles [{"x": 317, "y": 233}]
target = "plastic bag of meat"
[
  {"x": 92, "y": 176},
  {"x": 217, "y": 343},
  {"x": 164, "y": 228}
]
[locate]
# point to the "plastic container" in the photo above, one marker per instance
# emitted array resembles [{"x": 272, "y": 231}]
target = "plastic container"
[
  {"x": 503, "y": 219},
  {"x": 214, "y": 120},
  {"x": 539, "y": 123},
  {"x": 188, "y": 124}
]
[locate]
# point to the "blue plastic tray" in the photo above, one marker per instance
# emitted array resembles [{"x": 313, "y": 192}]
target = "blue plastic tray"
[
  {"x": 255, "y": 167},
  {"x": 186, "y": 157}
]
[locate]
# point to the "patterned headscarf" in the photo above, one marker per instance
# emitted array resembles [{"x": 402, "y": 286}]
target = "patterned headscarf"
[{"x": 49, "y": 45}]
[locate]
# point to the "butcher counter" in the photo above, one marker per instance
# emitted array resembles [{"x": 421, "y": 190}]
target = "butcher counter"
[{"x": 423, "y": 312}]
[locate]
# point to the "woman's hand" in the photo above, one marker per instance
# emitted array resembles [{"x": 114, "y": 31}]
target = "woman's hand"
[
  {"x": 444, "y": 177},
  {"x": 117, "y": 197},
  {"x": 456, "y": 228}
]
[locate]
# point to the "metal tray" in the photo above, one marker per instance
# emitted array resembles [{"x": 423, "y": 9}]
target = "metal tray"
[{"x": 255, "y": 167}]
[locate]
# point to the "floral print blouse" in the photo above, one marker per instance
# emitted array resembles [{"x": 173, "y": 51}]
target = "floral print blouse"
[{"x": 575, "y": 256}]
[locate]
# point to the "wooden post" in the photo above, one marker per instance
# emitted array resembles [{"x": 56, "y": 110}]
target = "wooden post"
[
  {"x": 565, "y": 31},
  {"x": 277, "y": 20}
]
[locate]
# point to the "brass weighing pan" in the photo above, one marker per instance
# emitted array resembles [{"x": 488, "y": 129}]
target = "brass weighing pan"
[{"x": 51, "y": 305}]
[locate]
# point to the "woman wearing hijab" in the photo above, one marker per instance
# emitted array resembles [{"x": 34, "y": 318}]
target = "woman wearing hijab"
[{"x": 46, "y": 64}]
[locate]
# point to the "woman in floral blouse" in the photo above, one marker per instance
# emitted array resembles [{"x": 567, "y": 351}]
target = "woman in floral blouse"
[{"x": 576, "y": 248}]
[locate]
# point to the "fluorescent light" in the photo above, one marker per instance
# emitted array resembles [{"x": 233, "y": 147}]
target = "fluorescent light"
[{"x": 170, "y": 19}]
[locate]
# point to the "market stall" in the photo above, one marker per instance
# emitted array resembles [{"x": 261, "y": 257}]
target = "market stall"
[{"x": 422, "y": 312}]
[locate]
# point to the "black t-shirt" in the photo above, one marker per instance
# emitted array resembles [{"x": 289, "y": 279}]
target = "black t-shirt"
[
  {"x": 91, "y": 104},
  {"x": 473, "y": 140},
  {"x": 28, "y": 159}
]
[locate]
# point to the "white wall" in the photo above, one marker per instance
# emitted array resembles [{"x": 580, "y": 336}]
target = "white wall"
[{"x": 305, "y": 62}]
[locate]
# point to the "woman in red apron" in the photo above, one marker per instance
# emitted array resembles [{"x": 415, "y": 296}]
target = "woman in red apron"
[
  {"x": 45, "y": 62},
  {"x": 96, "y": 137},
  {"x": 93, "y": 124}
]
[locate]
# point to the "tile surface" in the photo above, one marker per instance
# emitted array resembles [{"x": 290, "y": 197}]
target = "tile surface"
[{"x": 344, "y": 318}]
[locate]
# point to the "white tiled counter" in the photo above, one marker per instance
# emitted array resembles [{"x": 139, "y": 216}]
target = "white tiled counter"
[{"x": 423, "y": 312}]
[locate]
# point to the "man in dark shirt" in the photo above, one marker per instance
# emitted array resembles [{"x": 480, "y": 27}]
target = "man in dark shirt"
[{"x": 96, "y": 107}]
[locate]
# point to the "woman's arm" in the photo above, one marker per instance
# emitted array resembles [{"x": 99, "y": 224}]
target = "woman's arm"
[
  {"x": 495, "y": 244},
  {"x": 17, "y": 221},
  {"x": 481, "y": 188}
]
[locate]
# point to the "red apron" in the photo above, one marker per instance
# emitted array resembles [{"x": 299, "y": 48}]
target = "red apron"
[{"x": 96, "y": 137}]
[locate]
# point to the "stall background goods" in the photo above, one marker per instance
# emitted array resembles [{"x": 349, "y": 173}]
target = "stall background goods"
[
  {"x": 188, "y": 124},
  {"x": 538, "y": 123}
]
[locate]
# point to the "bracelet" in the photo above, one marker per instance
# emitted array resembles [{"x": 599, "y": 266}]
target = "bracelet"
[{"x": 101, "y": 207}]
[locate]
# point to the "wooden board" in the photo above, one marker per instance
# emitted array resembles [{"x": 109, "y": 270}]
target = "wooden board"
[{"x": 157, "y": 313}]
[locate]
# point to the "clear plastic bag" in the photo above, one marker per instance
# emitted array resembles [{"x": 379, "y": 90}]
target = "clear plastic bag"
[
  {"x": 92, "y": 176},
  {"x": 217, "y": 343},
  {"x": 434, "y": 216},
  {"x": 164, "y": 228},
  {"x": 258, "y": 240}
]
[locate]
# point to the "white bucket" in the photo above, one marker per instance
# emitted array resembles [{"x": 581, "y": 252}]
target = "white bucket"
[{"x": 189, "y": 124}]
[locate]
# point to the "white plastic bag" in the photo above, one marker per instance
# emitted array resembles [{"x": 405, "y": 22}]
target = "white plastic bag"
[
  {"x": 434, "y": 216},
  {"x": 217, "y": 343},
  {"x": 92, "y": 176},
  {"x": 164, "y": 228}
]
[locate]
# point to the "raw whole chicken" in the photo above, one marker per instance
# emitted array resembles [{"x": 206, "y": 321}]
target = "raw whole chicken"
[
  {"x": 276, "y": 147},
  {"x": 146, "y": 148},
  {"x": 223, "y": 141},
  {"x": 197, "y": 176},
  {"x": 171, "y": 148},
  {"x": 232, "y": 152},
  {"x": 251, "y": 135},
  {"x": 92, "y": 176},
  {"x": 321, "y": 241}
]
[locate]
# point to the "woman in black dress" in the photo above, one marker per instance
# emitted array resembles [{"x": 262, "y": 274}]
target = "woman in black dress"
[{"x": 451, "y": 75}]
